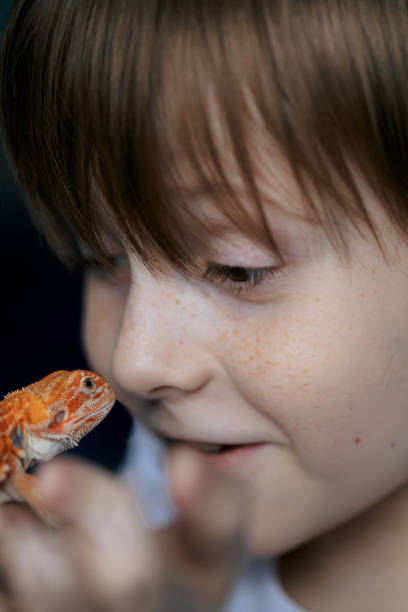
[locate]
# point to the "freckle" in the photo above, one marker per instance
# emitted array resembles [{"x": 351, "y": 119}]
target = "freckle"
[
  {"x": 235, "y": 332},
  {"x": 177, "y": 302},
  {"x": 393, "y": 444},
  {"x": 222, "y": 337},
  {"x": 362, "y": 294},
  {"x": 357, "y": 441},
  {"x": 257, "y": 340},
  {"x": 258, "y": 372},
  {"x": 317, "y": 299}
]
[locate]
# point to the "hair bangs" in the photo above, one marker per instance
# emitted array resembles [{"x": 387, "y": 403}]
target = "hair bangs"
[{"x": 136, "y": 108}]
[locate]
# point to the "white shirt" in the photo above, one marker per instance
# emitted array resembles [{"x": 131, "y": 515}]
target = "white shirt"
[{"x": 258, "y": 587}]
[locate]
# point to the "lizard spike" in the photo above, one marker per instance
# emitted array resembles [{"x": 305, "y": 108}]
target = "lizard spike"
[{"x": 10, "y": 393}]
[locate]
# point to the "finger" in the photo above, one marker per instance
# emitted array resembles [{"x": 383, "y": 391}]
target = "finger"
[
  {"x": 35, "y": 573},
  {"x": 22, "y": 486},
  {"x": 212, "y": 506},
  {"x": 104, "y": 533},
  {"x": 207, "y": 542}
]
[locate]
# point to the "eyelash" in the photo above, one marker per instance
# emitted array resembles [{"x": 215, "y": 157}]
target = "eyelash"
[
  {"x": 253, "y": 276},
  {"x": 238, "y": 278}
]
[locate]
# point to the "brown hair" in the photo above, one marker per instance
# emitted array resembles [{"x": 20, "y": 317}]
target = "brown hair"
[{"x": 110, "y": 99}]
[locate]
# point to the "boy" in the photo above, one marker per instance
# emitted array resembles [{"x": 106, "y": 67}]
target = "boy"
[{"x": 233, "y": 177}]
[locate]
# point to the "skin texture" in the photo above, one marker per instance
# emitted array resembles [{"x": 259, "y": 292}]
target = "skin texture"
[
  {"x": 311, "y": 363},
  {"x": 42, "y": 420}
]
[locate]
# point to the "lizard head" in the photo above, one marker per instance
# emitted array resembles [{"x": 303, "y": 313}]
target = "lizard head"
[{"x": 65, "y": 406}]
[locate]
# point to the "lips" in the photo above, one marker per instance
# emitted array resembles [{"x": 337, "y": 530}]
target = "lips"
[
  {"x": 203, "y": 447},
  {"x": 225, "y": 456},
  {"x": 209, "y": 449}
]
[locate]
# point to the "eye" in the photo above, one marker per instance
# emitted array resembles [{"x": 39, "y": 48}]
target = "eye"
[
  {"x": 238, "y": 279},
  {"x": 89, "y": 384}
]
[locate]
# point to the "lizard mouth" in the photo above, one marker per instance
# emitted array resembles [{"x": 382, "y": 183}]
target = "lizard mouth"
[{"x": 77, "y": 428}]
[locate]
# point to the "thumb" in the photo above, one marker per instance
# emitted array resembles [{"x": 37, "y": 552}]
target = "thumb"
[{"x": 206, "y": 544}]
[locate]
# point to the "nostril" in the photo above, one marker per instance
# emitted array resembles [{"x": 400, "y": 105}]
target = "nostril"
[
  {"x": 158, "y": 392},
  {"x": 171, "y": 393}
]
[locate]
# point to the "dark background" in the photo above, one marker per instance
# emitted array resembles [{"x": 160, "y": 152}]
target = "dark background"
[{"x": 40, "y": 313}]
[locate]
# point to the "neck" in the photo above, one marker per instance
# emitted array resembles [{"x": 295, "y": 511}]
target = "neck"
[{"x": 362, "y": 566}]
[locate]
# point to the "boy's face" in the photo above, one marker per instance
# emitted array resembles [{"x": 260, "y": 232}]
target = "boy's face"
[{"x": 310, "y": 364}]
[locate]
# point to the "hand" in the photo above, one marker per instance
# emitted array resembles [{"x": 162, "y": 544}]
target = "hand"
[{"x": 101, "y": 558}]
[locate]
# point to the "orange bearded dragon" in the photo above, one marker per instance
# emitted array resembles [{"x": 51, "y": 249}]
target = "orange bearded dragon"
[{"x": 43, "y": 420}]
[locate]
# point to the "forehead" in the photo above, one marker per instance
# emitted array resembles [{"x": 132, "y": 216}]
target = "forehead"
[
  {"x": 207, "y": 179},
  {"x": 210, "y": 204},
  {"x": 220, "y": 195}
]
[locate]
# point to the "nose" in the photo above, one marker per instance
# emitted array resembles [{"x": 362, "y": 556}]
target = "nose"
[{"x": 159, "y": 350}]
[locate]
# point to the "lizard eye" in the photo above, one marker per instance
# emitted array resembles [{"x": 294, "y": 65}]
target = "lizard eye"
[{"x": 89, "y": 383}]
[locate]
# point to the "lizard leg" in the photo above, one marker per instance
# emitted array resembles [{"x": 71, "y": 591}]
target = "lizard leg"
[{"x": 23, "y": 487}]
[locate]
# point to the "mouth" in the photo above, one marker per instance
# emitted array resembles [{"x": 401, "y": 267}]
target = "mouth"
[
  {"x": 220, "y": 455},
  {"x": 207, "y": 448},
  {"x": 203, "y": 447}
]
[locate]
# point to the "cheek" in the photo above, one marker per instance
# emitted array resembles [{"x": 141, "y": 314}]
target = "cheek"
[
  {"x": 330, "y": 378},
  {"x": 100, "y": 319},
  {"x": 277, "y": 363}
]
